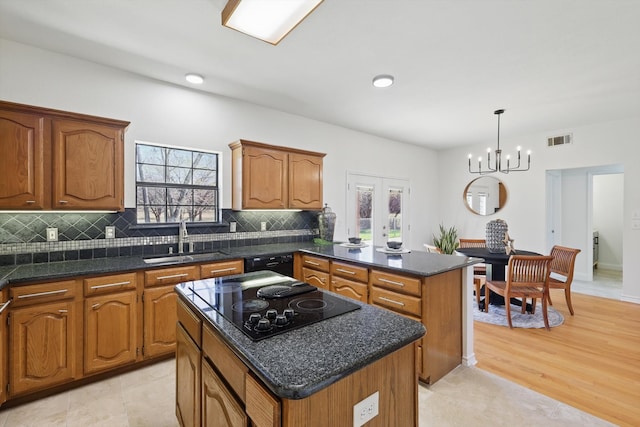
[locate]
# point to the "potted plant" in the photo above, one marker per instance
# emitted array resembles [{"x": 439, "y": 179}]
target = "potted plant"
[{"x": 448, "y": 240}]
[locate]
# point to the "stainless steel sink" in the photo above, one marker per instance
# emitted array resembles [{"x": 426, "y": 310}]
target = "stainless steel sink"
[{"x": 180, "y": 258}]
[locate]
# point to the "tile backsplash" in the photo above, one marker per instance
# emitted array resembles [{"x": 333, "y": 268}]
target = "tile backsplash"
[{"x": 82, "y": 235}]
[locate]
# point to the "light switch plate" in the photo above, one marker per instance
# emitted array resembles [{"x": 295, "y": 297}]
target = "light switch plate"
[
  {"x": 110, "y": 232},
  {"x": 232, "y": 226},
  {"x": 52, "y": 234},
  {"x": 263, "y": 226}
]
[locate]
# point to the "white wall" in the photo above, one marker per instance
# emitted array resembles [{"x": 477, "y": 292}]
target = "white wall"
[
  {"x": 175, "y": 115},
  {"x": 608, "y": 218},
  {"x": 610, "y": 143}
]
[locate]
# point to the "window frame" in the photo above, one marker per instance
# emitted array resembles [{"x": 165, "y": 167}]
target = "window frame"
[{"x": 166, "y": 185}]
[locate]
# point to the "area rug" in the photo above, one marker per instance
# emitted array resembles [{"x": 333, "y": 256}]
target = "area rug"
[{"x": 497, "y": 316}]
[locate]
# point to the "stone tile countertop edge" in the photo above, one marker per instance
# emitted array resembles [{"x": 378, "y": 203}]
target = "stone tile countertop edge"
[
  {"x": 415, "y": 262},
  {"x": 299, "y": 363}
]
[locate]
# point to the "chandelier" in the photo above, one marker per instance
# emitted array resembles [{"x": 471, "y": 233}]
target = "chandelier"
[{"x": 498, "y": 166}]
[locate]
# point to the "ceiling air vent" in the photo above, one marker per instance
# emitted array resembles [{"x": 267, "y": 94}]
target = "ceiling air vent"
[{"x": 560, "y": 140}]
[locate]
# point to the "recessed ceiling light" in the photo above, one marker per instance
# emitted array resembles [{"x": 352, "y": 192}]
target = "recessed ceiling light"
[
  {"x": 383, "y": 80},
  {"x": 196, "y": 79}
]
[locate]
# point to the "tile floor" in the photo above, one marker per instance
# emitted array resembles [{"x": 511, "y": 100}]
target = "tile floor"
[
  {"x": 145, "y": 398},
  {"x": 605, "y": 284}
]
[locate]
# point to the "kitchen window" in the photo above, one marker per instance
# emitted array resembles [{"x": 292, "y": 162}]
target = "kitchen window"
[{"x": 176, "y": 184}]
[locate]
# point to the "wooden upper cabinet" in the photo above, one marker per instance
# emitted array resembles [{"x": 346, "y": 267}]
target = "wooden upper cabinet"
[
  {"x": 88, "y": 169},
  {"x": 271, "y": 177},
  {"x": 59, "y": 160},
  {"x": 22, "y": 161}
]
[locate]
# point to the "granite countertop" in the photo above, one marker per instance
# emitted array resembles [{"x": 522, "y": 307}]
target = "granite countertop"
[
  {"x": 415, "y": 262},
  {"x": 301, "y": 362}
]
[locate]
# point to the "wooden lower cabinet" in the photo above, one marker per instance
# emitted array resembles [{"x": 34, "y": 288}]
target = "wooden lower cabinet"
[
  {"x": 159, "y": 320},
  {"x": 349, "y": 288},
  {"x": 219, "y": 407},
  {"x": 110, "y": 331},
  {"x": 319, "y": 279},
  {"x": 188, "y": 378},
  {"x": 44, "y": 342}
]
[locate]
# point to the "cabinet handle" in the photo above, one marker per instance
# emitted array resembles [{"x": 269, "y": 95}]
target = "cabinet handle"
[
  {"x": 63, "y": 202},
  {"x": 401, "y": 304},
  {"x": 173, "y": 276},
  {"x": 109, "y": 285},
  {"x": 306, "y": 261},
  {"x": 222, "y": 270},
  {"x": 63, "y": 311},
  {"x": 94, "y": 306},
  {"x": 42, "y": 294},
  {"x": 345, "y": 271},
  {"x": 30, "y": 202},
  {"x": 5, "y": 305},
  {"x": 391, "y": 282}
]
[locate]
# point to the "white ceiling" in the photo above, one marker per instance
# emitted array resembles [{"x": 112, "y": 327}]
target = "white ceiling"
[{"x": 552, "y": 64}]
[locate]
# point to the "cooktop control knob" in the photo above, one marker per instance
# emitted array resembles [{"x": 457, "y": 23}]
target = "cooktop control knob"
[
  {"x": 281, "y": 320},
  {"x": 271, "y": 314},
  {"x": 289, "y": 313},
  {"x": 254, "y": 318},
  {"x": 263, "y": 325}
]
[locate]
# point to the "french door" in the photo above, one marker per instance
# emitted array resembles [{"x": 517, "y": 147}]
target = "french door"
[{"x": 378, "y": 209}]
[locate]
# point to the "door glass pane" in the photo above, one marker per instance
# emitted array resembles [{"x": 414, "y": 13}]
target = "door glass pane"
[
  {"x": 395, "y": 214},
  {"x": 364, "y": 212}
]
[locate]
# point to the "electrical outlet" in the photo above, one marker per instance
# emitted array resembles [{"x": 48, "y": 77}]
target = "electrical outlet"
[
  {"x": 365, "y": 410},
  {"x": 110, "y": 232},
  {"x": 232, "y": 226},
  {"x": 52, "y": 234},
  {"x": 263, "y": 226}
]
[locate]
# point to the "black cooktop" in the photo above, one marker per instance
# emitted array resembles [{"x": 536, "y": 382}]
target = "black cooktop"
[{"x": 264, "y": 303}]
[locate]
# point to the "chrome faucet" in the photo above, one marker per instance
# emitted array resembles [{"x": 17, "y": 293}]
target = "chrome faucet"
[{"x": 183, "y": 236}]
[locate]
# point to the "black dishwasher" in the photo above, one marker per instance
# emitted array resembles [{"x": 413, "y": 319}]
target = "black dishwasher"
[{"x": 282, "y": 264}]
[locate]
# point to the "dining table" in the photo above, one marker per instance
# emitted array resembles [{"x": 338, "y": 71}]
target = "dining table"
[{"x": 496, "y": 263}]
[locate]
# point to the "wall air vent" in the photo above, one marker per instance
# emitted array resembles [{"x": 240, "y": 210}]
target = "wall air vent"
[{"x": 560, "y": 140}]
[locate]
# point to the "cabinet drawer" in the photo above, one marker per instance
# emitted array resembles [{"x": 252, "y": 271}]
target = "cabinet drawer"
[
  {"x": 315, "y": 262},
  {"x": 44, "y": 292},
  {"x": 350, "y": 289},
  {"x": 350, "y": 271},
  {"x": 225, "y": 361},
  {"x": 190, "y": 322},
  {"x": 396, "y": 282},
  {"x": 169, "y": 276},
  {"x": 319, "y": 279},
  {"x": 112, "y": 283},
  {"x": 223, "y": 268},
  {"x": 395, "y": 301}
]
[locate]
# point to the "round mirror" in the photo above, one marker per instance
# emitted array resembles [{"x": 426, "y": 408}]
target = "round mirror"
[{"x": 485, "y": 195}]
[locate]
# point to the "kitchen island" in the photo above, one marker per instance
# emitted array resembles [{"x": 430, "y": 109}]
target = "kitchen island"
[{"x": 312, "y": 376}]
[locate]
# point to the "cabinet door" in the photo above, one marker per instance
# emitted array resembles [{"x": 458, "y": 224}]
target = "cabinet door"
[
  {"x": 264, "y": 179},
  {"x": 87, "y": 166},
  {"x": 305, "y": 181},
  {"x": 110, "y": 331},
  {"x": 22, "y": 184},
  {"x": 350, "y": 289},
  {"x": 319, "y": 279},
  {"x": 187, "y": 380},
  {"x": 160, "y": 317},
  {"x": 43, "y": 346},
  {"x": 219, "y": 407}
]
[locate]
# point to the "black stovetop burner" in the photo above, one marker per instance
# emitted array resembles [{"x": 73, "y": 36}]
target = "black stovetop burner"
[{"x": 263, "y": 303}]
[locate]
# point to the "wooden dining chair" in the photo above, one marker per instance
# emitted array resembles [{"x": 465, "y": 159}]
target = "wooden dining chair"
[
  {"x": 527, "y": 277},
  {"x": 564, "y": 260},
  {"x": 479, "y": 270}
]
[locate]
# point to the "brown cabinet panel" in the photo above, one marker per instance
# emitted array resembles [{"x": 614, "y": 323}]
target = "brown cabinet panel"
[
  {"x": 319, "y": 279},
  {"x": 262, "y": 407},
  {"x": 110, "y": 331},
  {"x": 110, "y": 283},
  {"x": 5, "y": 302},
  {"x": 305, "y": 181},
  {"x": 160, "y": 316},
  {"x": 349, "y": 288},
  {"x": 219, "y": 407},
  {"x": 315, "y": 262},
  {"x": 190, "y": 322},
  {"x": 230, "y": 367},
  {"x": 264, "y": 178},
  {"x": 22, "y": 161},
  {"x": 350, "y": 271},
  {"x": 188, "y": 377},
  {"x": 44, "y": 292},
  {"x": 221, "y": 268},
  {"x": 396, "y": 282},
  {"x": 43, "y": 343},
  {"x": 171, "y": 275},
  {"x": 403, "y": 304}
]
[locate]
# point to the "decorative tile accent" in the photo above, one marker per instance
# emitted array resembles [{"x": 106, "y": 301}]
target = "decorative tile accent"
[{"x": 81, "y": 235}]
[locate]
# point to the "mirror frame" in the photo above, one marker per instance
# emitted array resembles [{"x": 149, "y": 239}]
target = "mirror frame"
[{"x": 503, "y": 195}]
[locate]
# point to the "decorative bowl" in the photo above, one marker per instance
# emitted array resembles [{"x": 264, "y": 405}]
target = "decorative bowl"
[
  {"x": 355, "y": 240},
  {"x": 394, "y": 245}
]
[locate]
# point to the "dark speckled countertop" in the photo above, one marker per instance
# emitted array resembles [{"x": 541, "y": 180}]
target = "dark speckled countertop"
[
  {"x": 303, "y": 361},
  {"x": 416, "y": 262}
]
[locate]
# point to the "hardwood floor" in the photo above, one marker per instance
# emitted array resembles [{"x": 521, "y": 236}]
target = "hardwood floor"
[{"x": 591, "y": 362}]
